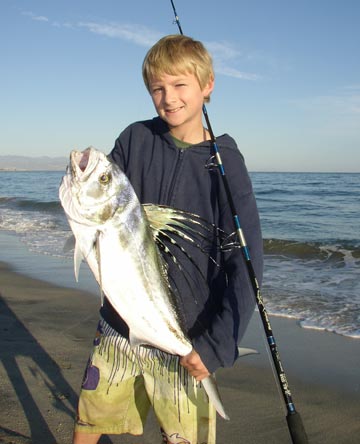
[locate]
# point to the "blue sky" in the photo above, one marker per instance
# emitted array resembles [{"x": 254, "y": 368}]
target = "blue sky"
[{"x": 287, "y": 75}]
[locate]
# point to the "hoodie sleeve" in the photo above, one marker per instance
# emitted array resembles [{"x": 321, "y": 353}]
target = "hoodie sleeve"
[
  {"x": 128, "y": 143},
  {"x": 217, "y": 346},
  {"x": 117, "y": 154}
]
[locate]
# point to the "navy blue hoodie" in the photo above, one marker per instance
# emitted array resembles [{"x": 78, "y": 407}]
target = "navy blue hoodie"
[{"x": 215, "y": 302}]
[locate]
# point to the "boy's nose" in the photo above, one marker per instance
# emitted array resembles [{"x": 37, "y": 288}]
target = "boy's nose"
[{"x": 169, "y": 95}]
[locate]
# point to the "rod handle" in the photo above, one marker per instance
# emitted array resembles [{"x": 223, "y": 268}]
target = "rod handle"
[{"x": 296, "y": 428}]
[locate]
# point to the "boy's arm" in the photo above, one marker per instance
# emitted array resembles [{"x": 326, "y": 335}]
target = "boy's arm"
[
  {"x": 117, "y": 153},
  {"x": 217, "y": 346}
]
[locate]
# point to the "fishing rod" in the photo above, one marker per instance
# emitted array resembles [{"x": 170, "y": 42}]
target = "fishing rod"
[{"x": 293, "y": 418}]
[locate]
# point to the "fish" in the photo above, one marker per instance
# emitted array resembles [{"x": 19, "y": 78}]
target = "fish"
[{"x": 116, "y": 235}]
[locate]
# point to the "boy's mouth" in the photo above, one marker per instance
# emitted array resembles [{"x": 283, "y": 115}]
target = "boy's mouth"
[{"x": 174, "y": 110}]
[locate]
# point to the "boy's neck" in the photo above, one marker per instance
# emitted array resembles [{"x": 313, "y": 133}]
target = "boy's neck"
[{"x": 191, "y": 137}]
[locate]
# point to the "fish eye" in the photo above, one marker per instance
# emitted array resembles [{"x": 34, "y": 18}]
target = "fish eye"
[{"x": 104, "y": 178}]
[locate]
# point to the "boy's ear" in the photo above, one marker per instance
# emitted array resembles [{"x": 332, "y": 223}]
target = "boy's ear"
[{"x": 208, "y": 88}]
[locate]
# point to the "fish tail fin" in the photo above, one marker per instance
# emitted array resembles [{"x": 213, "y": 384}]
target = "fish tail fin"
[{"x": 212, "y": 391}]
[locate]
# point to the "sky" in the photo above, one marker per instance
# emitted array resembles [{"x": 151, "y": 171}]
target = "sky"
[{"x": 287, "y": 75}]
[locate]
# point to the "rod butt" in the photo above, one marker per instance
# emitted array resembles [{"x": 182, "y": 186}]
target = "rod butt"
[{"x": 296, "y": 428}]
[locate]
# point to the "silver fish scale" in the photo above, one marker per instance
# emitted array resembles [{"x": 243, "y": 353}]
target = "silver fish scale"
[{"x": 113, "y": 235}]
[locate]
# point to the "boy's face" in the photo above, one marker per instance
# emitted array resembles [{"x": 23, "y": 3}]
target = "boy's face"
[{"x": 179, "y": 100}]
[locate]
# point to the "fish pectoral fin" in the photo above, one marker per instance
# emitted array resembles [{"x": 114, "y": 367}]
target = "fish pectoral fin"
[
  {"x": 78, "y": 258},
  {"x": 69, "y": 244},
  {"x": 246, "y": 351},
  {"x": 97, "y": 248},
  {"x": 212, "y": 391}
]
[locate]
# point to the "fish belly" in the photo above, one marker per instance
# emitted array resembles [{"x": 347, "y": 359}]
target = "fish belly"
[{"x": 133, "y": 283}]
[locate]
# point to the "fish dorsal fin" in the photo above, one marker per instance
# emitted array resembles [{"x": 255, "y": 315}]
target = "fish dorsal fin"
[
  {"x": 161, "y": 218},
  {"x": 246, "y": 351},
  {"x": 78, "y": 258}
]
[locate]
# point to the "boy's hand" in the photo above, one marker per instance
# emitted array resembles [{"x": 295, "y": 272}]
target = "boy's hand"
[{"x": 194, "y": 365}]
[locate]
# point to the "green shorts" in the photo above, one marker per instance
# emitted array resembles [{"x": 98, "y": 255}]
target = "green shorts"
[{"x": 120, "y": 385}]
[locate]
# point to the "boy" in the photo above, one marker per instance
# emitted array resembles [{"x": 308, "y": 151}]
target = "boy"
[{"x": 167, "y": 162}]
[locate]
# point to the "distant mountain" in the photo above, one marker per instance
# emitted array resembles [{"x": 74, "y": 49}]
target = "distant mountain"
[{"x": 44, "y": 163}]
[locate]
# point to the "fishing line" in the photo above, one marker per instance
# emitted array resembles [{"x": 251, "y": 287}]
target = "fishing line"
[{"x": 294, "y": 421}]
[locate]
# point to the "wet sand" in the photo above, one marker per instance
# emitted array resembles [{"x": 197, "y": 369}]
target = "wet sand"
[{"x": 46, "y": 336}]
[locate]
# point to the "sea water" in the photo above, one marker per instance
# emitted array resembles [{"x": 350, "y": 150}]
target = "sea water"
[{"x": 310, "y": 225}]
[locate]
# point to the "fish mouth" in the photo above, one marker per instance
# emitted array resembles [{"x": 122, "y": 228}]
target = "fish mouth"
[
  {"x": 83, "y": 163},
  {"x": 82, "y": 159}
]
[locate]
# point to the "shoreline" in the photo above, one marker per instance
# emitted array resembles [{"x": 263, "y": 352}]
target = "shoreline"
[
  {"x": 53, "y": 270},
  {"x": 47, "y": 332},
  {"x": 59, "y": 271}
]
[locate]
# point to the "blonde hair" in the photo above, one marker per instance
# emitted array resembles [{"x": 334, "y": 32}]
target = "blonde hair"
[{"x": 178, "y": 54}]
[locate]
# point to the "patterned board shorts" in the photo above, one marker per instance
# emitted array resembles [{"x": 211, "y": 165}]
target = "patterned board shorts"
[{"x": 120, "y": 385}]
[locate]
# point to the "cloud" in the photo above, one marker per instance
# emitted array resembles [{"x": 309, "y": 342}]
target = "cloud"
[
  {"x": 225, "y": 57},
  {"x": 63, "y": 25},
  {"x": 222, "y": 50},
  {"x": 344, "y": 103},
  {"x": 222, "y": 68},
  {"x": 352, "y": 87},
  {"x": 336, "y": 116},
  {"x": 223, "y": 54},
  {"x": 38, "y": 18},
  {"x": 138, "y": 34}
]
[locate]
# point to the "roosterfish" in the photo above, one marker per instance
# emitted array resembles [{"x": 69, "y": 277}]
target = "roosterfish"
[{"x": 119, "y": 239}]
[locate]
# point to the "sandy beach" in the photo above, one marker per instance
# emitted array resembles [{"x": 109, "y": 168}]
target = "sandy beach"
[{"x": 46, "y": 335}]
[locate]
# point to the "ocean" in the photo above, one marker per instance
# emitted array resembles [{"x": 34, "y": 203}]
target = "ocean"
[{"x": 310, "y": 224}]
